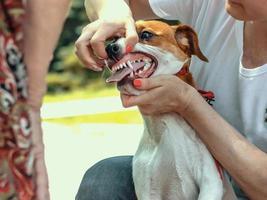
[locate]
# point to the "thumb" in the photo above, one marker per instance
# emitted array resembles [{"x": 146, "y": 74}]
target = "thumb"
[
  {"x": 146, "y": 83},
  {"x": 131, "y": 34}
]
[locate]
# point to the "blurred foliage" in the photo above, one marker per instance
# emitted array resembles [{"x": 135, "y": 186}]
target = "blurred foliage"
[
  {"x": 74, "y": 23},
  {"x": 66, "y": 72}
]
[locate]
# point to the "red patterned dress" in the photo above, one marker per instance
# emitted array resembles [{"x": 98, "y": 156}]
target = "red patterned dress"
[{"x": 16, "y": 159}]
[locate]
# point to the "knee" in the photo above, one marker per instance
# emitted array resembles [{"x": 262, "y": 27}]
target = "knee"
[{"x": 107, "y": 179}]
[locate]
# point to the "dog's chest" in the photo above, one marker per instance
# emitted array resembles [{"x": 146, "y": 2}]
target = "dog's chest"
[{"x": 165, "y": 156}]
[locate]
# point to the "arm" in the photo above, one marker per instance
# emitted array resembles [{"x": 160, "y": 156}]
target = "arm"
[
  {"x": 139, "y": 9},
  {"x": 43, "y": 25},
  {"x": 245, "y": 162}
]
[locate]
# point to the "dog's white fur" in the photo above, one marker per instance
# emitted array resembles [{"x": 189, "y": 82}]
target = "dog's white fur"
[{"x": 171, "y": 162}]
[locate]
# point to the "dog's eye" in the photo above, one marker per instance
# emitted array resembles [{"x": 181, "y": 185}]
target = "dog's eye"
[{"x": 145, "y": 35}]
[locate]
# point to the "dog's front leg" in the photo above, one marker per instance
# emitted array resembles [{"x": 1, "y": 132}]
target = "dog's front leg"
[{"x": 210, "y": 182}]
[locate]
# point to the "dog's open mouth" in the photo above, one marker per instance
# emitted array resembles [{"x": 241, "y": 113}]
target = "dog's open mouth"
[{"x": 133, "y": 65}]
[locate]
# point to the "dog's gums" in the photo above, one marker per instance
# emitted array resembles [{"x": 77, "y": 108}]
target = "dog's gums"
[{"x": 133, "y": 65}]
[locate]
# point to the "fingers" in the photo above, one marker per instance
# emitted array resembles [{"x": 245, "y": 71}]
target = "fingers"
[
  {"x": 90, "y": 46},
  {"x": 144, "y": 99},
  {"x": 145, "y": 109},
  {"x": 41, "y": 178},
  {"x": 42, "y": 191},
  {"x": 151, "y": 85},
  {"x": 124, "y": 100},
  {"x": 148, "y": 83},
  {"x": 83, "y": 49},
  {"x": 131, "y": 34},
  {"x": 98, "y": 40},
  {"x": 107, "y": 30}
]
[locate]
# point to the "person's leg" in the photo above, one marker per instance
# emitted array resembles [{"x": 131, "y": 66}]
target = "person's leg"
[{"x": 109, "y": 179}]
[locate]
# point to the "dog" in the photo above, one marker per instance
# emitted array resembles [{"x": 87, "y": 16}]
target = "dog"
[{"x": 171, "y": 162}]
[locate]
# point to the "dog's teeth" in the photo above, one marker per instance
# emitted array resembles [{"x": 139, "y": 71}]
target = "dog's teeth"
[
  {"x": 147, "y": 62},
  {"x": 124, "y": 65},
  {"x": 132, "y": 75},
  {"x": 121, "y": 66},
  {"x": 146, "y": 67},
  {"x": 129, "y": 64}
]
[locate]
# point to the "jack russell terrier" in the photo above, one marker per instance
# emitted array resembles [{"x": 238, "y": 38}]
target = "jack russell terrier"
[{"x": 171, "y": 162}]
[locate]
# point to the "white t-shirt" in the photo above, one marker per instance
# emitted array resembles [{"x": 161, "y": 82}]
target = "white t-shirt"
[{"x": 240, "y": 93}]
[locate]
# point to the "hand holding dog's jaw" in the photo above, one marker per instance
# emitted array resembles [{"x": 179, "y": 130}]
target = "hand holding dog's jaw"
[
  {"x": 162, "y": 52},
  {"x": 162, "y": 94}
]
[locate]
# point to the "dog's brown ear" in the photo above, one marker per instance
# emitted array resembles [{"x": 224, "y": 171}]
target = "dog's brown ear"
[{"x": 187, "y": 40}]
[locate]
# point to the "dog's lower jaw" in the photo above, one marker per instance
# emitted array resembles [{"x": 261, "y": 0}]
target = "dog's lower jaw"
[{"x": 172, "y": 163}]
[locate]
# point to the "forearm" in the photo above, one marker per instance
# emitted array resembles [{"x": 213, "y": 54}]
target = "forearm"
[
  {"x": 245, "y": 162},
  {"x": 43, "y": 25},
  {"x": 138, "y": 9},
  {"x": 105, "y": 8}
]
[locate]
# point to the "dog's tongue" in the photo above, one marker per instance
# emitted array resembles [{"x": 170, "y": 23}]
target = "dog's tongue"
[
  {"x": 122, "y": 73},
  {"x": 119, "y": 75}
]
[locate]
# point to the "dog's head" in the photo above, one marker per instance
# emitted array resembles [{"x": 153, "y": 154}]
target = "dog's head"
[{"x": 162, "y": 49}]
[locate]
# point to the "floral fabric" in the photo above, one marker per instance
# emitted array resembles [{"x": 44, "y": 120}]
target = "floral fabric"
[{"x": 16, "y": 158}]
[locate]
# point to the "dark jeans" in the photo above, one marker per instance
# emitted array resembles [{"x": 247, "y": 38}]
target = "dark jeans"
[{"x": 109, "y": 179}]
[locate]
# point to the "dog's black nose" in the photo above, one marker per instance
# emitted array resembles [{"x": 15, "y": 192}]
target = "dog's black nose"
[{"x": 113, "y": 50}]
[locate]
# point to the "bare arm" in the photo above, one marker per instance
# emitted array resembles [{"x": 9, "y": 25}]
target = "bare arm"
[
  {"x": 43, "y": 25},
  {"x": 245, "y": 162},
  {"x": 140, "y": 9}
]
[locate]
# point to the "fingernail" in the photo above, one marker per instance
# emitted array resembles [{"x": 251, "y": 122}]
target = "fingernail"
[
  {"x": 129, "y": 48},
  {"x": 96, "y": 68},
  {"x": 137, "y": 83},
  {"x": 99, "y": 57}
]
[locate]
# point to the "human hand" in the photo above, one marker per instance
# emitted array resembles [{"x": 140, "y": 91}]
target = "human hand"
[
  {"x": 90, "y": 46},
  {"x": 163, "y": 94},
  {"x": 36, "y": 91},
  {"x": 40, "y": 172}
]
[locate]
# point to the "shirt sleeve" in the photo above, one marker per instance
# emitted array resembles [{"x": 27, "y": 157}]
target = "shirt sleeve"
[{"x": 186, "y": 11}]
